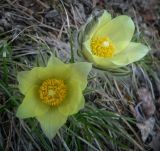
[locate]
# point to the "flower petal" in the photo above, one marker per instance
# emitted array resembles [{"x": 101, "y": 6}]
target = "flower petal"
[
  {"x": 35, "y": 77},
  {"x": 134, "y": 52},
  {"x": 73, "y": 100},
  {"x": 120, "y": 30},
  {"x": 51, "y": 122},
  {"x": 103, "y": 63},
  {"x": 82, "y": 103},
  {"x": 80, "y": 71},
  {"x": 53, "y": 61},
  {"x": 28, "y": 79},
  {"x": 31, "y": 105},
  {"x": 104, "y": 19},
  {"x": 94, "y": 23},
  {"x": 56, "y": 68}
]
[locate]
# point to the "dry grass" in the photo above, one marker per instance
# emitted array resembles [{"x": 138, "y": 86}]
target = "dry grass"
[{"x": 31, "y": 31}]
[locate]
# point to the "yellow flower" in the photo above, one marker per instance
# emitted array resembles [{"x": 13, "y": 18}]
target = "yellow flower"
[
  {"x": 107, "y": 42},
  {"x": 53, "y": 93}
]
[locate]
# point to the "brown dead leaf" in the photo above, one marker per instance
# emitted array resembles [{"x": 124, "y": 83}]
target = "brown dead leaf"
[
  {"x": 148, "y": 107},
  {"x": 146, "y": 128}
]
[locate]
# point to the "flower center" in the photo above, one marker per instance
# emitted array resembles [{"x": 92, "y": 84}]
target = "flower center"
[
  {"x": 52, "y": 92},
  {"x": 102, "y": 47}
]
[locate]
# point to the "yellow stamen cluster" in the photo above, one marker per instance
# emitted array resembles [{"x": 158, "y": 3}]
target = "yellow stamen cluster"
[
  {"x": 52, "y": 92},
  {"x": 102, "y": 47}
]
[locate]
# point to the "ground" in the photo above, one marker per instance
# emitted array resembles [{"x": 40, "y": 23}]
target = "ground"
[{"x": 113, "y": 119}]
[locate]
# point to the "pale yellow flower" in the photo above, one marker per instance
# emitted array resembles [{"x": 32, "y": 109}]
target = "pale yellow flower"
[
  {"x": 107, "y": 42},
  {"x": 53, "y": 93}
]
